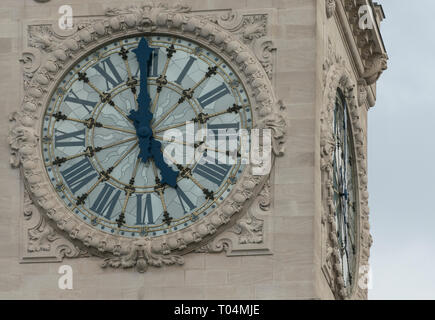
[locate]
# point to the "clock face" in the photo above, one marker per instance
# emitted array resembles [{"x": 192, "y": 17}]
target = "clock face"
[
  {"x": 345, "y": 198},
  {"x": 104, "y": 156}
]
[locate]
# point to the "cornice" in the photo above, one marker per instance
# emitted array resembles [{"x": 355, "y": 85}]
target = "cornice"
[{"x": 366, "y": 47}]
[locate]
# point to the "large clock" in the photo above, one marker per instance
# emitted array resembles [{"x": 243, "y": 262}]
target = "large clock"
[
  {"x": 134, "y": 134},
  {"x": 103, "y": 166},
  {"x": 344, "y": 190}
]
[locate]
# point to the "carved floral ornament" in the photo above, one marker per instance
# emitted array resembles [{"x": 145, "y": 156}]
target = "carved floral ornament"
[
  {"x": 43, "y": 67},
  {"x": 336, "y": 76}
]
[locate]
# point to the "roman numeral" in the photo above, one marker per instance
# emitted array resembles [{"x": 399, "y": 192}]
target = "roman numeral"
[
  {"x": 147, "y": 212},
  {"x": 225, "y": 137},
  {"x": 105, "y": 202},
  {"x": 226, "y": 130},
  {"x": 185, "y": 70},
  {"x": 213, "y": 95},
  {"x": 224, "y": 126},
  {"x": 76, "y": 138},
  {"x": 85, "y": 103},
  {"x": 213, "y": 172},
  {"x": 79, "y": 175},
  {"x": 184, "y": 200},
  {"x": 155, "y": 63},
  {"x": 115, "y": 79}
]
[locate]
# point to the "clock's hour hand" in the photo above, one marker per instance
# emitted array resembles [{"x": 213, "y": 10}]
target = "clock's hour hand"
[{"x": 149, "y": 148}]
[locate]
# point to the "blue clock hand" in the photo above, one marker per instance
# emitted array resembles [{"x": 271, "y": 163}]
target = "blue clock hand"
[{"x": 148, "y": 146}]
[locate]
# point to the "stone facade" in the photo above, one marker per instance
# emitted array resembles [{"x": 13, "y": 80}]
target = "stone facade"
[{"x": 281, "y": 247}]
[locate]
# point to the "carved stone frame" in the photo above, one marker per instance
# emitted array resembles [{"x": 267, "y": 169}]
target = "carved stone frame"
[
  {"x": 337, "y": 76},
  {"x": 45, "y": 70}
]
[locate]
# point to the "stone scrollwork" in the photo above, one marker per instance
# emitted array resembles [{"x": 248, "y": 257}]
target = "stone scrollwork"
[
  {"x": 264, "y": 50},
  {"x": 249, "y": 235},
  {"x": 50, "y": 55},
  {"x": 150, "y": 7},
  {"x": 41, "y": 242},
  {"x": 247, "y": 27},
  {"x": 141, "y": 256},
  {"x": 249, "y": 229},
  {"x": 337, "y": 76},
  {"x": 21, "y": 139},
  {"x": 374, "y": 58},
  {"x": 366, "y": 42},
  {"x": 40, "y": 237},
  {"x": 251, "y": 29}
]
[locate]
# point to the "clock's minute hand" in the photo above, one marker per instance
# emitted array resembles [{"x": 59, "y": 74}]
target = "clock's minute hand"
[{"x": 149, "y": 148}]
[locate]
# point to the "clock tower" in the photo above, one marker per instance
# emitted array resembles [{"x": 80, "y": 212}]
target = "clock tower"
[{"x": 102, "y": 97}]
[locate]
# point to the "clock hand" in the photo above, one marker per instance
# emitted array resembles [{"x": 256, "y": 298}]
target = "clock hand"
[{"x": 148, "y": 146}]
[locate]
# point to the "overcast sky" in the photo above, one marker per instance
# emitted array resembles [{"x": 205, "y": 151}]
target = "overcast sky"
[{"x": 402, "y": 156}]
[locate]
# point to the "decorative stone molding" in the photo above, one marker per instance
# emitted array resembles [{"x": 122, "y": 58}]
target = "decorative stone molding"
[
  {"x": 250, "y": 235},
  {"x": 373, "y": 57},
  {"x": 362, "y": 92},
  {"x": 330, "y": 8},
  {"x": 365, "y": 45},
  {"x": 375, "y": 65},
  {"x": 141, "y": 256},
  {"x": 41, "y": 243},
  {"x": 52, "y": 53},
  {"x": 336, "y": 76},
  {"x": 251, "y": 29}
]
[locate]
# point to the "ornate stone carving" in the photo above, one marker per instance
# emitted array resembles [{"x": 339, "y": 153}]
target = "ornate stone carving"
[
  {"x": 330, "y": 8},
  {"x": 249, "y": 235},
  {"x": 264, "y": 197},
  {"x": 362, "y": 92},
  {"x": 331, "y": 59},
  {"x": 277, "y": 124},
  {"x": 40, "y": 237},
  {"x": 264, "y": 51},
  {"x": 22, "y": 138},
  {"x": 251, "y": 30},
  {"x": 41, "y": 242},
  {"x": 150, "y": 8},
  {"x": 42, "y": 37},
  {"x": 141, "y": 256},
  {"x": 247, "y": 27},
  {"x": 375, "y": 65},
  {"x": 338, "y": 77},
  {"x": 249, "y": 229},
  {"x": 59, "y": 52},
  {"x": 374, "y": 61}
]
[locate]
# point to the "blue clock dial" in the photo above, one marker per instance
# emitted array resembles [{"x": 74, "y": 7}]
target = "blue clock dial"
[{"x": 108, "y": 135}]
